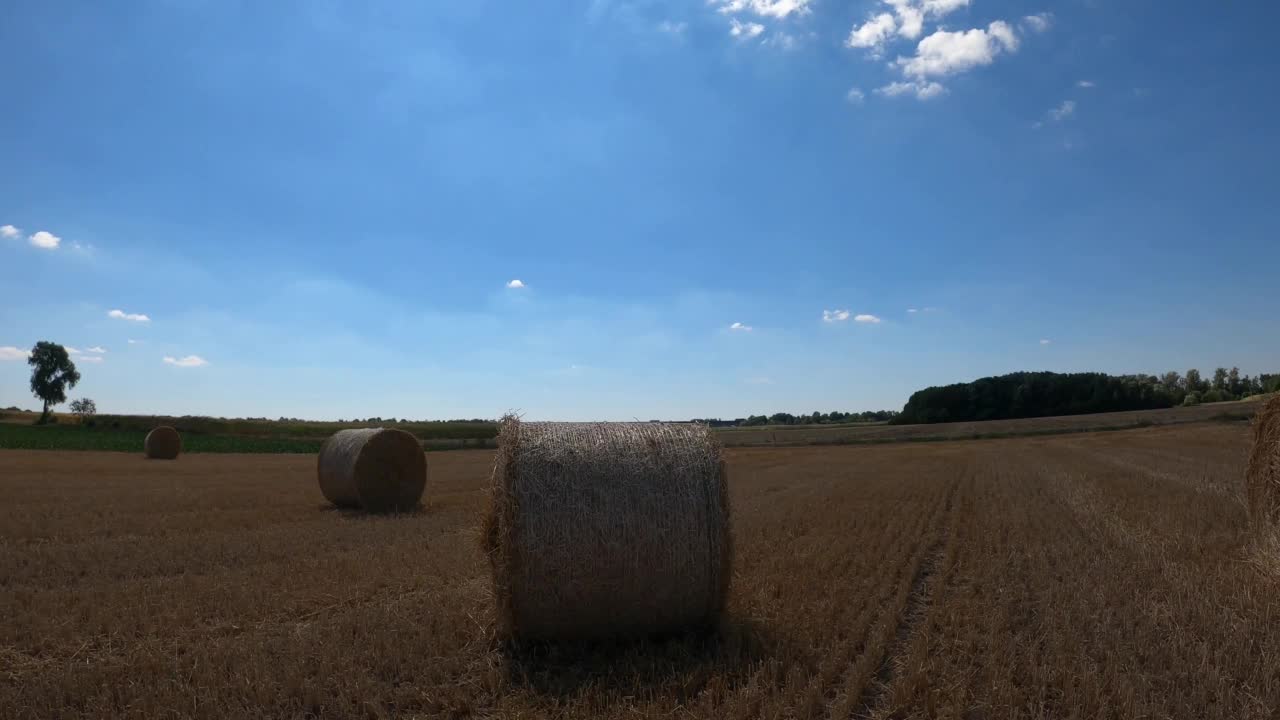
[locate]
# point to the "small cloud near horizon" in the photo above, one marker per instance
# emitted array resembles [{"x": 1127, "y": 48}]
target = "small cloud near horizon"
[
  {"x": 131, "y": 317},
  {"x": 9, "y": 352},
  {"x": 186, "y": 362},
  {"x": 867, "y": 319}
]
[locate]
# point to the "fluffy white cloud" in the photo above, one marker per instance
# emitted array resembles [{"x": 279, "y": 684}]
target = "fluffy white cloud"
[
  {"x": 921, "y": 89},
  {"x": 45, "y": 240},
  {"x": 867, "y": 319},
  {"x": 739, "y": 327},
  {"x": 873, "y": 33},
  {"x": 97, "y": 349},
  {"x": 132, "y": 317},
  {"x": 186, "y": 362},
  {"x": 9, "y": 231},
  {"x": 765, "y": 8},
  {"x": 947, "y": 53},
  {"x": 835, "y": 315},
  {"x": 1045, "y": 342},
  {"x": 515, "y": 284},
  {"x": 744, "y": 30},
  {"x": 1039, "y": 22},
  {"x": 1063, "y": 111},
  {"x": 9, "y": 352},
  {"x": 855, "y": 96},
  {"x": 1086, "y": 84}
]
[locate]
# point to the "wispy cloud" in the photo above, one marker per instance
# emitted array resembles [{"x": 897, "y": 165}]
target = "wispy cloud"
[
  {"x": 9, "y": 352},
  {"x": 746, "y": 30},
  {"x": 134, "y": 342},
  {"x": 1040, "y": 22},
  {"x": 913, "y": 310},
  {"x": 739, "y": 327},
  {"x": 1063, "y": 111},
  {"x": 515, "y": 284},
  {"x": 45, "y": 240},
  {"x": 673, "y": 28},
  {"x": 89, "y": 358},
  {"x": 922, "y": 90},
  {"x": 1045, "y": 342},
  {"x": 98, "y": 349},
  {"x": 186, "y": 362},
  {"x": 131, "y": 317},
  {"x": 855, "y": 96},
  {"x": 9, "y": 231},
  {"x": 778, "y": 9},
  {"x": 867, "y": 319},
  {"x": 832, "y": 316},
  {"x": 1086, "y": 84}
]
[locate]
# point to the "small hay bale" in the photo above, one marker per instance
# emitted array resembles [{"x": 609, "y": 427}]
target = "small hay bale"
[
  {"x": 1262, "y": 480},
  {"x": 162, "y": 443},
  {"x": 607, "y": 530},
  {"x": 377, "y": 469}
]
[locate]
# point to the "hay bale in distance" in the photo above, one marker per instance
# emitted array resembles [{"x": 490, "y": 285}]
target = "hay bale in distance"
[
  {"x": 377, "y": 469},
  {"x": 162, "y": 443},
  {"x": 601, "y": 530},
  {"x": 1262, "y": 480}
]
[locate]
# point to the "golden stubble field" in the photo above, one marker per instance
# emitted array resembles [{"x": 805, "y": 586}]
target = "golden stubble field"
[{"x": 1080, "y": 576}]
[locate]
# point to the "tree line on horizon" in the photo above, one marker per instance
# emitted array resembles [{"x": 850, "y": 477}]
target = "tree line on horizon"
[{"x": 1047, "y": 394}]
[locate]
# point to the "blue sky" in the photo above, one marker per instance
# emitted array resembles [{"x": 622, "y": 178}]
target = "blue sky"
[{"x": 318, "y": 207}]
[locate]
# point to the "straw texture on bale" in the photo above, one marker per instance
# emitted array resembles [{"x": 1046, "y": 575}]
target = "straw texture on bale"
[
  {"x": 1262, "y": 480},
  {"x": 609, "y": 529},
  {"x": 376, "y": 469},
  {"x": 162, "y": 443}
]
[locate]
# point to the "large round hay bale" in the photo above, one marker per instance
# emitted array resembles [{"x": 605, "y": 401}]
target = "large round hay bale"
[
  {"x": 608, "y": 529},
  {"x": 1262, "y": 480},
  {"x": 162, "y": 443},
  {"x": 377, "y": 469}
]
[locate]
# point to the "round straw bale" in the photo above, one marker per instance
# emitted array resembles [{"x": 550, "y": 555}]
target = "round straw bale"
[
  {"x": 162, "y": 443},
  {"x": 608, "y": 529},
  {"x": 377, "y": 469},
  {"x": 1262, "y": 479}
]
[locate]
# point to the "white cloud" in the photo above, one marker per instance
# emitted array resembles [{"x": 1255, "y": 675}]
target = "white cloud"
[
  {"x": 9, "y": 231},
  {"x": 855, "y": 96},
  {"x": 912, "y": 310},
  {"x": 873, "y": 33},
  {"x": 1045, "y": 342},
  {"x": 739, "y": 327},
  {"x": 70, "y": 350},
  {"x": 1086, "y": 84},
  {"x": 45, "y": 240},
  {"x": 134, "y": 342},
  {"x": 947, "y": 53},
  {"x": 89, "y": 358},
  {"x": 186, "y": 362},
  {"x": 1039, "y": 22},
  {"x": 1063, "y": 111},
  {"x": 786, "y": 41},
  {"x": 97, "y": 349},
  {"x": 9, "y": 352},
  {"x": 779, "y": 9},
  {"x": 132, "y": 317},
  {"x": 922, "y": 90},
  {"x": 515, "y": 284},
  {"x": 867, "y": 319},
  {"x": 744, "y": 30},
  {"x": 835, "y": 315},
  {"x": 673, "y": 28}
]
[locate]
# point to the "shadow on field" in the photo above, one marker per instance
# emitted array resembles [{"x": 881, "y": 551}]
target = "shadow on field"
[
  {"x": 357, "y": 513},
  {"x": 677, "y": 665}
]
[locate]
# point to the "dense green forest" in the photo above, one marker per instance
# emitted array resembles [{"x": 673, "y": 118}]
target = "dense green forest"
[{"x": 1044, "y": 394}]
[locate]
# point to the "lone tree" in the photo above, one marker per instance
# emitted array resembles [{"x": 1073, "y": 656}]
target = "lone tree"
[
  {"x": 52, "y": 373},
  {"x": 84, "y": 407}
]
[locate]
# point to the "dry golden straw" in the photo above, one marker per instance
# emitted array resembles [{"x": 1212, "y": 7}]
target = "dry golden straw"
[
  {"x": 1263, "y": 477},
  {"x": 608, "y": 529},
  {"x": 162, "y": 443},
  {"x": 377, "y": 469}
]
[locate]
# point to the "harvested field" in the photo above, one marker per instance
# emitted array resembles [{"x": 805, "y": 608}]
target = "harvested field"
[{"x": 1087, "y": 575}]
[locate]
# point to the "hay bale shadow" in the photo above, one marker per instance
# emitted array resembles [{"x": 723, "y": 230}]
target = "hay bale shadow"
[
  {"x": 678, "y": 664},
  {"x": 347, "y": 513}
]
